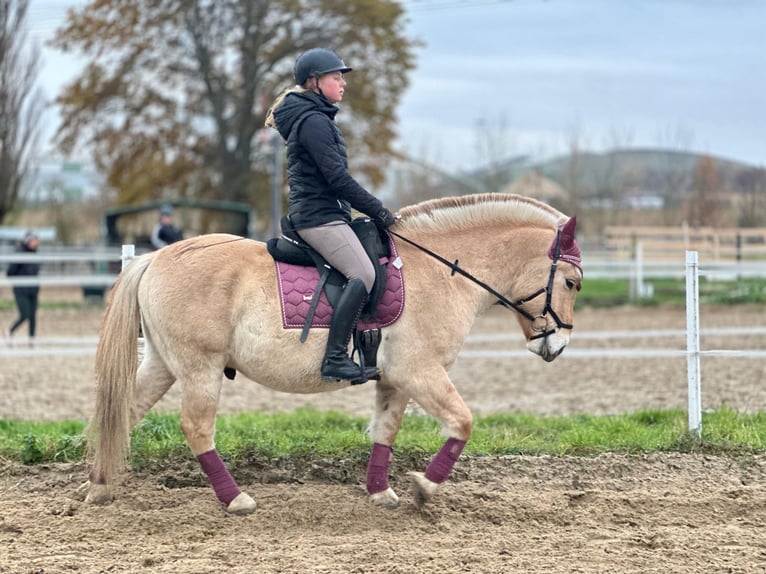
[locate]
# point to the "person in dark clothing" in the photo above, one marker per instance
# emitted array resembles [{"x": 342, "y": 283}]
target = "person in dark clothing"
[
  {"x": 165, "y": 233},
  {"x": 25, "y": 295},
  {"x": 322, "y": 193}
]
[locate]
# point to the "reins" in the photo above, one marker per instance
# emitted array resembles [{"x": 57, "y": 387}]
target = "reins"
[{"x": 502, "y": 299}]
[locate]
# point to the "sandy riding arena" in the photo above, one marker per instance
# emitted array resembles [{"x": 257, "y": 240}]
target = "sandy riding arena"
[{"x": 666, "y": 513}]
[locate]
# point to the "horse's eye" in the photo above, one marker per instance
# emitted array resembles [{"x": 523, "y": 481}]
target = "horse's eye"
[{"x": 570, "y": 284}]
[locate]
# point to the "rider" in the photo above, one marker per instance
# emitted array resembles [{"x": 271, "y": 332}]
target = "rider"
[{"x": 322, "y": 193}]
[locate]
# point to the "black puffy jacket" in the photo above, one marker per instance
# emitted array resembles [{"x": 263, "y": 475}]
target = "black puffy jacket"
[
  {"x": 24, "y": 268},
  {"x": 321, "y": 189}
]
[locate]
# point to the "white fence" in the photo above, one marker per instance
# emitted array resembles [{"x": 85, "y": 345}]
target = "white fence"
[
  {"x": 71, "y": 267},
  {"x": 610, "y": 267},
  {"x": 65, "y": 268},
  {"x": 73, "y": 346}
]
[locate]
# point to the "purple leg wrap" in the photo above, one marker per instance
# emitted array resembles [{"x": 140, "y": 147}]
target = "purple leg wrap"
[
  {"x": 377, "y": 468},
  {"x": 445, "y": 459},
  {"x": 96, "y": 478},
  {"x": 220, "y": 479}
]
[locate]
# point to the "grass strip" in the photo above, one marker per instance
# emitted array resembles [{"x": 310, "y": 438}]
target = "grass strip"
[
  {"x": 599, "y": 293},
  {"x": 259, "y": 438}
]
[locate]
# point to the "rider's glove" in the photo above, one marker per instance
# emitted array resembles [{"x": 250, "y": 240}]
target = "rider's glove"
[{"x": 384, "y": 218}]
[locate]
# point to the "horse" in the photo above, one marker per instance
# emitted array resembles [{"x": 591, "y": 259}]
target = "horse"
[{"x": 211, "y": 302}]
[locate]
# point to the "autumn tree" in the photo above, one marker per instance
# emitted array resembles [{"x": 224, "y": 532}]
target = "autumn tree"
[
  {"x": 20, "y": 101},
  {"x": 175, "y": 92}
]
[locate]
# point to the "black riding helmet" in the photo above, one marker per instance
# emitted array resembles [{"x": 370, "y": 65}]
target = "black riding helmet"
[{"x": 317, "y": 62}]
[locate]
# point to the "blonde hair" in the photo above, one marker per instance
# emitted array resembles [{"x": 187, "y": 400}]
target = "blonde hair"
[{"x": 270, "y": 122}]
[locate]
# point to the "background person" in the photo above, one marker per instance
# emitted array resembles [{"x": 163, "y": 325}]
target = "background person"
[
  {"x": 322, "y": 193},
  {"x": 26, "y": 296},
  {"x": 165, "y": 232}
]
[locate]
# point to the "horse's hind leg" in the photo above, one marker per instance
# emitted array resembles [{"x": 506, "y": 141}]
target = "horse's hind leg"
[
  {"x": 199, "y": 405},
  {"x": 390, "y": 404},
  {"x": 153, "y": 380}
]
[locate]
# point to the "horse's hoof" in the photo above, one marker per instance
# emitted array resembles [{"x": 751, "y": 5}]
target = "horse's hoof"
[
  {"x": 385, "y": 499},
  {"x": 82, "y": 491},
  {"x": 97, "y": 493},
  {"x": 241, "y": 505},
  {"x": 422, "y": 488}
]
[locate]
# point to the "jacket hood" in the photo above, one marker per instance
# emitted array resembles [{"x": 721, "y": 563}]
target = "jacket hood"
[{"x": 295, "y": 105}]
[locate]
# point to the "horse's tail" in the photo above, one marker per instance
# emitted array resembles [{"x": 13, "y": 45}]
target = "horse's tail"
[{"x": 116, "y": 367}]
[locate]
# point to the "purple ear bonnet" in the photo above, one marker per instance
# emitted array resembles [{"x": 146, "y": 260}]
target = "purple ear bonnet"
[{"x": 569, "y": 250}]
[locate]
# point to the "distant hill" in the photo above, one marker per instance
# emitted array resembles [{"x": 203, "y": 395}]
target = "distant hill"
[
  {"x": 663, "y": 172},
  {"x": 640, "y": 186}
]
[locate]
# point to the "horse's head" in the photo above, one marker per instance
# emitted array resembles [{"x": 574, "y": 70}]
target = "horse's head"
[{"x": 549, "y": 311}]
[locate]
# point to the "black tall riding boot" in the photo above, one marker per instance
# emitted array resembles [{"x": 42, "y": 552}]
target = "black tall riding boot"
[{"x": 337, "y": 365}]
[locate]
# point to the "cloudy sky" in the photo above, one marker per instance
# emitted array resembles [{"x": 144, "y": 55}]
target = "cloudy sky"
[{"x": 501, "y": 77}]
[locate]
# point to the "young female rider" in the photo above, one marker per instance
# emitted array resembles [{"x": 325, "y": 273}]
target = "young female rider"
[{"x": 322, "y": 193}]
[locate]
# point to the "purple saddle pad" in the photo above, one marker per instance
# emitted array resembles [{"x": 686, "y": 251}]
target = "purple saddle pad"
[{"x": 296, "y": 290}]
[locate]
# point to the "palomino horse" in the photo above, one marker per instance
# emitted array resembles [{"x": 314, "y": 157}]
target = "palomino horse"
[{"x": 210, "y": 302}]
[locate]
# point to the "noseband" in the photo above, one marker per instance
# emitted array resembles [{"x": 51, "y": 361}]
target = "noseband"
[{"x": 539, "y": 323}]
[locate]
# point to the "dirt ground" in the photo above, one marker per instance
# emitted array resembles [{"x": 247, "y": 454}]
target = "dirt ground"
[{"x": 611, "y": 514}]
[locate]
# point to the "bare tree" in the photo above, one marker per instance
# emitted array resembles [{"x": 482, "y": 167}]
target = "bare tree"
[
  {"x": 674, "y": 176},
  {"x": 703, "y": 206},
  {"x": 609, "y": 178},
  {"x": 574, "y": 177},
  {"x": 752, "y": 208},
  {"x": 494, "y": 147},
  {"x": 20, "y": 101}
]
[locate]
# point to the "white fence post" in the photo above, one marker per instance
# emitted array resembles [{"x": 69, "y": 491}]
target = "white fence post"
[
  {"x": 639, "y": 271},
  {"x": 128, "y": 253},
  {"x": 693, "y": 343}
]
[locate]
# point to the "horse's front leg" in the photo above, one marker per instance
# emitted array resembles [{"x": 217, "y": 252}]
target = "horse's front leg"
[
  {"x": 198, "y": 411},
  {"x": 390, "y": 404},
  {"x": 435, "y": 393}
]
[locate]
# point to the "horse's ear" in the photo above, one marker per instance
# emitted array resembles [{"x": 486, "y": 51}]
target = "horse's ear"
[
  {"x": 568, "y": 232},
  {"x": 568, "y": 248}
]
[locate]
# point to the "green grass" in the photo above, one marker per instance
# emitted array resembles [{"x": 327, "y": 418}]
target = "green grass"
[
  {"x": 611, "y": 292},
  {"x": 599, "y": 293},
  {"x": 306, "y": 434}
]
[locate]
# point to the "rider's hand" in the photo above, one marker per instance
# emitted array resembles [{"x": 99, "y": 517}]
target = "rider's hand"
[{"x": 384, "y": 218}]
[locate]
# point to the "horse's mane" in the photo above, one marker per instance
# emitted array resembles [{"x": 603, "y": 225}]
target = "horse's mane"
[{"x": 469, "y": 211}]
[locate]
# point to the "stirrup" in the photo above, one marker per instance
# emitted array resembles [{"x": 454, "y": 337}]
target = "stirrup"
[{"x": 362, "y": 376}]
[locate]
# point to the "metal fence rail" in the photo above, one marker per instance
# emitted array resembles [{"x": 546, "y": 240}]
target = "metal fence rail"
[
  {"x": 86, "y": 345},
  {"x": 72, "y": 267}
]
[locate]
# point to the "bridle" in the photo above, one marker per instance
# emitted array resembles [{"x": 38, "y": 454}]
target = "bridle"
[
  {"x": 548, "y": 290},
  {"x": 539, "y": 322}
]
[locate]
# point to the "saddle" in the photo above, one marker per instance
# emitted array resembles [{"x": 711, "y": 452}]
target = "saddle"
[{"x": 290, "y": 250}]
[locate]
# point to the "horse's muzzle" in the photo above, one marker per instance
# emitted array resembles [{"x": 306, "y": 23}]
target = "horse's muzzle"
[
  {"x": 549, "y": 347},
  {"x": 548, "y": 357}
]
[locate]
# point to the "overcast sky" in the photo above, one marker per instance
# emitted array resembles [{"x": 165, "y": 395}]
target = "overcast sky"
[{"x": 531, "y": 75}]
